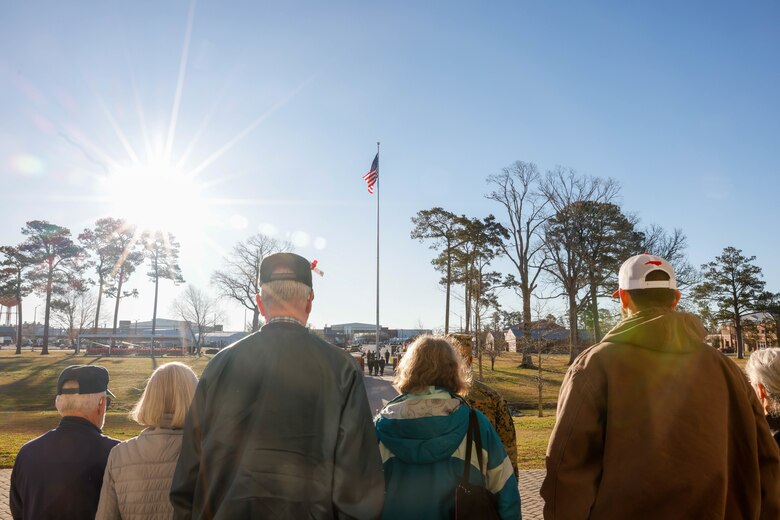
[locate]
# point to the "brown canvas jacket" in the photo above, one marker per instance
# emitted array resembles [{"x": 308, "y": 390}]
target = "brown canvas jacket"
[{"x": 654, "y": 423}]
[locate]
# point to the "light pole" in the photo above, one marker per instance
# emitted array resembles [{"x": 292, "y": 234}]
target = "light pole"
[{"x": 35, "y": 328}]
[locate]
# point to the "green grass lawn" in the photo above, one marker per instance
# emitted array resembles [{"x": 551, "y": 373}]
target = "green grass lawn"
[{"x": 28, "y": 383}]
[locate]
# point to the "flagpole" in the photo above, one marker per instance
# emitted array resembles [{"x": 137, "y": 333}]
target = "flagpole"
[{"x": 377, "y": 252}]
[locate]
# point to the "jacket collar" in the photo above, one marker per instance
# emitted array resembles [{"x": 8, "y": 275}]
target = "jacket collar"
[
  {"x": 284, "y": 320},
  {"x": 71, "y": 422}
]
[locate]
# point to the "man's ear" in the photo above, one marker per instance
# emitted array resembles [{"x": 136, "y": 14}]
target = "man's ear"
[
  {"x": 308, "y": 302},
  {"x": 260, "y": 305},
  {"x": 625, "y": 298},
  {"x": 676, "y": 298},
  {"x": 761, "y": 391}
]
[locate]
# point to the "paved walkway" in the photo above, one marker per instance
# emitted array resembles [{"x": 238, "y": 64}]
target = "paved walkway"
[
  {"x": 530, "y": 481},
  {"x": 5, "y": 485}
]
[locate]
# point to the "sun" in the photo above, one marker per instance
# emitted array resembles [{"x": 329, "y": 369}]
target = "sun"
[{"x": 155, "y": 196}]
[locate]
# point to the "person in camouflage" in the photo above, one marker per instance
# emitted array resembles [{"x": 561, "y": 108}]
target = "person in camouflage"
[{"x": 483, "y": 398}]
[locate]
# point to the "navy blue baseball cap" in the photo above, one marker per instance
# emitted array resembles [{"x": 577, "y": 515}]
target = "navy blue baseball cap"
[
  {"x": 92, "y": 379},
  {"x": 293, "y": 267}
]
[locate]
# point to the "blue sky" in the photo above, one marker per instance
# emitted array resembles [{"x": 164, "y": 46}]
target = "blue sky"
[{"x": 677, "y": 101}]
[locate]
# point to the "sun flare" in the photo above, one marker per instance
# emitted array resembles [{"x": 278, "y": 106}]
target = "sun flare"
[{"x": 155, "y": 197}]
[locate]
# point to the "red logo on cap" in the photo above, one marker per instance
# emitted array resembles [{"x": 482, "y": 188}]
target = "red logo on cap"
[{"x": 654, "y": 262}]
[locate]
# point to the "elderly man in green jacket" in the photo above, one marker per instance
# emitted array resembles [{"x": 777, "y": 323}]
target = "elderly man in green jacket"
[{"x": 280, "y": 426}]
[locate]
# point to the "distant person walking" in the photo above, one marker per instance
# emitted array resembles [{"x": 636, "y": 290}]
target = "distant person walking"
[
  {"x": 381, "y": 366},
  {"x": 280, "y": 426},
  {"x": 59, "y": 474},
  {"x": 422, "y": 436},
  {"x": 137, "y": 481},
  {"x": 655, "y": 423},
  {"x": 763, "y": 370}
]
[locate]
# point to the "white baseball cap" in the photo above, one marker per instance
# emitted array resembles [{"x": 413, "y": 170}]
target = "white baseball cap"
[{"x": 634, "y": 271}]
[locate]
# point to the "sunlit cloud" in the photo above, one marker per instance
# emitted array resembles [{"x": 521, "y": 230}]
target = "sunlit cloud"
[{"x": 320, "y": 243}]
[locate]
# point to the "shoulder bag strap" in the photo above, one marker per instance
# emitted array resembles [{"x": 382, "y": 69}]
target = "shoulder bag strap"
[
  {"x": 474, "y": 423},
  {"x": 467, "y": 460}
]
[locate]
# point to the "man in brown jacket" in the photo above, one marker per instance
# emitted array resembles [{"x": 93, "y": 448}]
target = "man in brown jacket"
[{"x": 654, "y": 423}]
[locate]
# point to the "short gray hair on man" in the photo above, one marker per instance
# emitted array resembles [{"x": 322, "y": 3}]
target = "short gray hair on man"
[
  {"x": 287, "y": 291},
  {"x": 74, "y": 404},
  {"x": 764, "y": 367}
]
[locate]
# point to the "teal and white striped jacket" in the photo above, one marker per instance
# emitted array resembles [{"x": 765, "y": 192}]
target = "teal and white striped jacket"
[{"x": 422, "y": 439}]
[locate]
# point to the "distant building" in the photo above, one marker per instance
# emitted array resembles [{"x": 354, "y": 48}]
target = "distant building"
[
  {"x": 221, "y": 339},
  {"x": 546, "y": 331},
  {"x": 407, "y": 334},
  {"x": 168, "y": 333},
  {"x": 759, "y": 331},
  {"x": 344, "y": 333},
  {"x": 7, "y": 335},
  {"x": 495, "y": 340}
]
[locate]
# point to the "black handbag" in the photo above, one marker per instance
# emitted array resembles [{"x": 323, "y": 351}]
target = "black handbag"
[{"x": 473, "y": 501}]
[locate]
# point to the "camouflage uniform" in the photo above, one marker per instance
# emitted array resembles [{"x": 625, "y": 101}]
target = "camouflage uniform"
[
  {"x": 494, "y": 407},
  {"x": 489, "y": 402}
]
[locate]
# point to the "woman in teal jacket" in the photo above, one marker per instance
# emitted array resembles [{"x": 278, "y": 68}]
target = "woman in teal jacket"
[{"x": 422, "y": 439}]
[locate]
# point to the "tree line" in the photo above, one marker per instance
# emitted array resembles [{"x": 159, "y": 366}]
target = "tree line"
[
  {"x": 74, "y": 275},
  {"x": 566, "y": 236},
  {"x": 61, "y": 269}
]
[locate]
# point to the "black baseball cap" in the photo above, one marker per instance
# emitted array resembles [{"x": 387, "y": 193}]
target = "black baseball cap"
[
  {"x": 294, "y": 267},
  {"x": 92, "y": 379}
]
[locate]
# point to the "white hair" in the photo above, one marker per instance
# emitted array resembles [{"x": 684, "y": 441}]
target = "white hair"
[
  {"x": 290, "y": 292},
  {"x": 77, "y": 404},
  {"x": 764, "y": 367}
]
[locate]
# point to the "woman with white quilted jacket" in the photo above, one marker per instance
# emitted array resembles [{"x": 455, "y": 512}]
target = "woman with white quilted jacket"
[{"x": 139, "y": 471}]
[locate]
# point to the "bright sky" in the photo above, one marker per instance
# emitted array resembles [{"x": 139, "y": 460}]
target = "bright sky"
[{"x": 272, "y": 111}]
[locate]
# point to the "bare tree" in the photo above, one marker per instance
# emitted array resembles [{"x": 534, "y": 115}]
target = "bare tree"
[
  {"x": 515, "y": 189},
  {"x": 199, "y": 309},
  {"x": 497, "y": 345},
  {"x": 74, "y": 311},
  {"x": 239, "y": 280},
  {"x": 566, "y": 192}
]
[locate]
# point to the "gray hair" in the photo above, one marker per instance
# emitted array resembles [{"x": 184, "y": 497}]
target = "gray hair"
[
  {"x": 287, "y": 291},
  {"x": 764, "y": 367},
  {"x": 74, "y": 404}
]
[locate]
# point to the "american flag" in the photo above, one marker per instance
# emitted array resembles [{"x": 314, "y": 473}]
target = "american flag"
[{"x": 373, "y": 174}]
